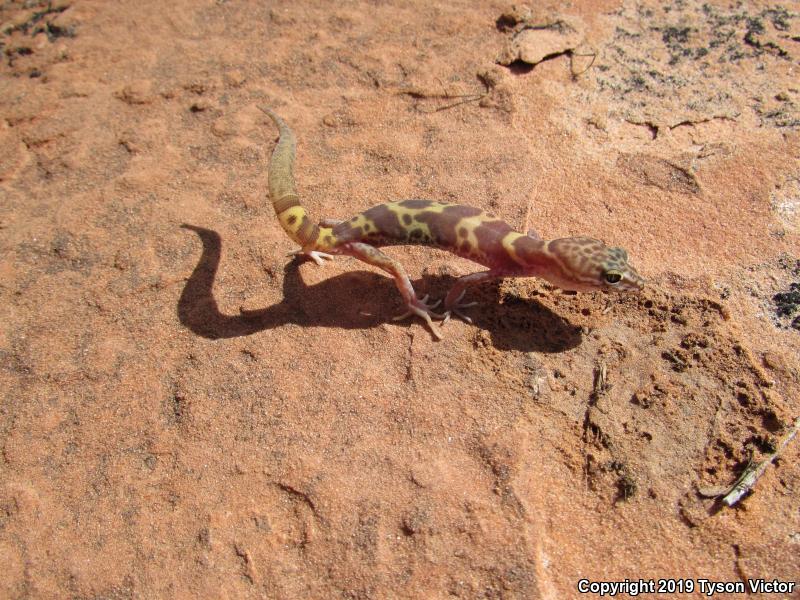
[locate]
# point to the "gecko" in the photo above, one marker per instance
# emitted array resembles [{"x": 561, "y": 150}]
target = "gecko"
[{"x": 571, "y": 263}]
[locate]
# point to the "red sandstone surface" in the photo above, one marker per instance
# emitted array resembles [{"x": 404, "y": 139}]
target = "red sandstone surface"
[{"x": 187, "y": 413}]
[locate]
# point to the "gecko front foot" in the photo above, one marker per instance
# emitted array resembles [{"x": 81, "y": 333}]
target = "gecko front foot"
[
  {"x": 314, "y": 255},
  {"x": 421, "y": 308}
]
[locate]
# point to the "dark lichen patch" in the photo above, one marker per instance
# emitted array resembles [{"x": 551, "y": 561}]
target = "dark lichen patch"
[
  {"x": 54, "y": 31},
  {"x": 41, "y": 21},
  {"x": 787, "y": 304},
  {"x": 665, "y": 59},
  {"x": 779, "y": 17},
  {"x": 27, "y": 23},
  {"x": 626, "y": 487},
  {"x": 789, "y": 264},
  {"x": 784, "y": 113},
  {"x": 679, "y": 42}
]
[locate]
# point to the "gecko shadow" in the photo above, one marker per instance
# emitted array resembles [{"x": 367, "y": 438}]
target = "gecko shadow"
[{"x": 353, "y": 300}]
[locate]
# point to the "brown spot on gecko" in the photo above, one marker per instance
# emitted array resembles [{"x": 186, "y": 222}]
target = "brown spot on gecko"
[
  {"x": 415, "y": 204},
  {"x": 344, "y": 232},
  {"x": 386, "y": 221},
  {"x": 308, "y": 231},
  {"x": 529, "y": 249},
  {"x": 490, "y": 239},
  {"x": 285, "y": 203},
  {"x": 462, "y": 232},
  {"x": 461, "y": 212},
  {"x": 292, "y": 219},
  {"x": 443, "y": 225},
  {"x": 407, "y": 219}
]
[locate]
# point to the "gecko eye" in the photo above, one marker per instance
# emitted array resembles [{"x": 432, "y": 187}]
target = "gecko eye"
[{"x": 612, "y": 277}]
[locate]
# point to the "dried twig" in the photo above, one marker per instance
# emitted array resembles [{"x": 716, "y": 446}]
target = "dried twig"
[
  {"x": 467, "y": 101},
  {"x": 424, "y": 94},
  {"x": 755, "y": 470},
  {"x": 745, "y": 482},
  {"x": 600, "y": 376},
  {"x": 573, "y": 54}
]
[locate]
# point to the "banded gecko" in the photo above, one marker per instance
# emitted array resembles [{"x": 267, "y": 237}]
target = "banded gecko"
[{"x": 574, "y": 263}]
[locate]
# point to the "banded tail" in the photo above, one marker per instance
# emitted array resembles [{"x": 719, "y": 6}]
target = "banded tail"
[{"x": 293, "y": 217}]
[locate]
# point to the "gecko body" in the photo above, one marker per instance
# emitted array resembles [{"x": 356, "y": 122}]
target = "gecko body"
[{"x": 575, "y": 263}]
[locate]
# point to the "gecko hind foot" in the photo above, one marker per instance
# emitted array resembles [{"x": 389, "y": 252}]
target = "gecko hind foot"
[
  {"x": 455, "y": 309},
  {"x": 314, "y": 255},
  {"x": 421, "y": 308}
]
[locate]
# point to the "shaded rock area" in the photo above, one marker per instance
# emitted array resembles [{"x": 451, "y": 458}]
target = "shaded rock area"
[{"x": 187, "y": 412}]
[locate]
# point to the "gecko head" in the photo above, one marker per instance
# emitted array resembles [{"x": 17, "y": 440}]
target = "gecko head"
[{"x": 587, "y": 264}]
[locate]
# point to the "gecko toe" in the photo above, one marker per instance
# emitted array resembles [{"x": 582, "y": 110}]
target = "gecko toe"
[
  {"x": 456, "y": 310},
  {"x": 419, "y": 307},
  {"x": 457, "y": 313},
  {"x": 314, "y": 255}
]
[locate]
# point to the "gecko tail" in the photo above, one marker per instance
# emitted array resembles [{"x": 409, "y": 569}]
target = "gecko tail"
[{"x": 292, "y": 216}]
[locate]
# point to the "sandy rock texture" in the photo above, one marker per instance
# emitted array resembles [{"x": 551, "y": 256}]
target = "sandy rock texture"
[{"x": 188, "y": 413}]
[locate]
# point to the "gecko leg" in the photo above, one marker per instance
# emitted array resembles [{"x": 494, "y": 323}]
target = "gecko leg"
[
  {"x": 453, "y": 304},
  {"x": 416, "y": 306},
  {"x": 314, "y": 255}
]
